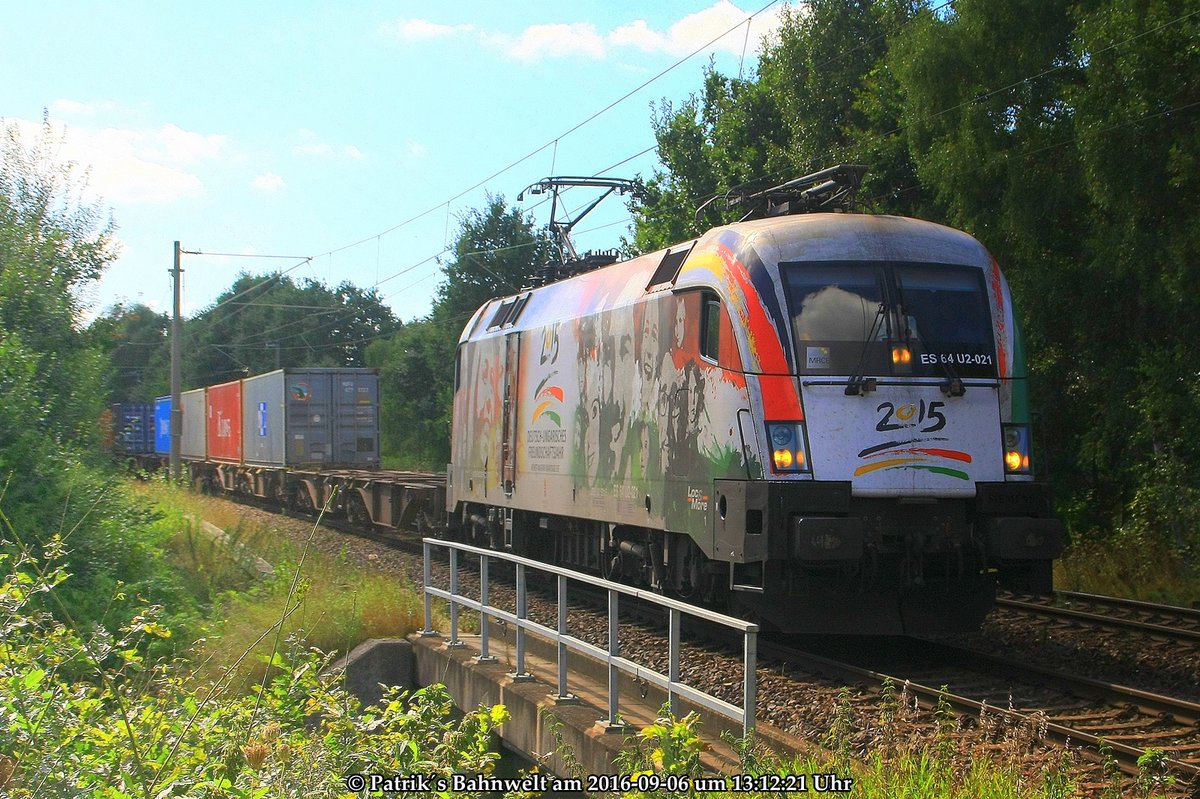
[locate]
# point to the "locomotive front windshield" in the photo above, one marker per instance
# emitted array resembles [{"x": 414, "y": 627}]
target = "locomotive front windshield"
[{"x": 924, "y": 320}]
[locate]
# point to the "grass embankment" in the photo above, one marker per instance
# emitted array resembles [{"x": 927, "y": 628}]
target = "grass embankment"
[
  {"x": 1131, "y": 566},
  {"x": 330, "y": 603}
]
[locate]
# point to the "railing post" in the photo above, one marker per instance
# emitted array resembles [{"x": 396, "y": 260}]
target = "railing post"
[
  {"x": 483, "y": 657},
  {"x": 750, "y": 686},
  {"x": 613, "y": 722},
  {"x": 454, "y": 643},
  {"x": 673, "y": 625},
  {"x": 563, "y": 696},
  {"x": 520, "y": 675},
  {"x": 428, "y": 631}
]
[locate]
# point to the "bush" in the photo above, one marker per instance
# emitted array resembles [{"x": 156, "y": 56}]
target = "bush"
[{"x": 91, "y": 716}]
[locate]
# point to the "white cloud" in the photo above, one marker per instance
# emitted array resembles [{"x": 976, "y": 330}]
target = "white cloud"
[
  {"x": 66, "y": 107},
  {"x": 185, "y": 146},
  {"x": 419, "y": 30},
  {"x": 549, "y": 41},
  {"x": 131, "y": 165},
  {"x": 414, "y": 149},
  {"x": 268, "y": 182},
  {"x": 309, "y": 143},
  {"x": 697, "y": 30},
  {"x": 723, "y": 22}
]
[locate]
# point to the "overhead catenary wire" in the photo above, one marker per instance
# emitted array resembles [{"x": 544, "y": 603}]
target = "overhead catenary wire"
[
  {"x": 978, "y": 98},
  {"x": 554, "y": 141},
  {"x": 551, "y": 143}
]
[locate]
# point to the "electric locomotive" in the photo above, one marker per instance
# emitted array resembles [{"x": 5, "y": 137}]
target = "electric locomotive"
[{"x": 819, "y": 418}]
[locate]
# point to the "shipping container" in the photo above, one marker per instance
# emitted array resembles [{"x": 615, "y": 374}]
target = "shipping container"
[
  {"x": 224, "y": 428},
  {"x": 133, "y": 428},
  {"x": 162, "y": 426},
  {"x": 312, "y": 417},
  {"x": 193, "y": 445}
]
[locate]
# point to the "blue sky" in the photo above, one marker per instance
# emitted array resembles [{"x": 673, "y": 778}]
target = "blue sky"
[{"x": 300, "y": 128}]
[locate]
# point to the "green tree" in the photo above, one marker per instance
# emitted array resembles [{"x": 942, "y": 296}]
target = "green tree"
[
  {"x": 53, "y": 385},
  {"x": 1136, "y": 114},
  {"x": 824, "y": 94},
  {"x": 415, "y": 422},
  {"x": 264, "y": 322},
  {"x": 52, "y": 245},
  {"x": 497, "y": 253},
  {"x": 135, "y": 340}
]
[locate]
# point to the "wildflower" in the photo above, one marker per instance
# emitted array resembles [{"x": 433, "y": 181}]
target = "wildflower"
[{"x": 256, "y": 753}]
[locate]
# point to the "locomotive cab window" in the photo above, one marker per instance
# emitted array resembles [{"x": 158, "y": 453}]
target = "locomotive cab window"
[
  {"x": 945, "y": 320},
  {"x": 710, "y": 327},
  {"x": 923, "y": 320},
  {"x": 839, "y": 317}
]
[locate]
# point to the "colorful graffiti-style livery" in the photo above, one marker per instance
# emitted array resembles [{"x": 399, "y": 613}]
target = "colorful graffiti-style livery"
[{"x": 827, "y": 409}]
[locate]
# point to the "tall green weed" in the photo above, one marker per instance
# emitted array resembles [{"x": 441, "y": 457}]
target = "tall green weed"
[{"x": 87, "y": 714}]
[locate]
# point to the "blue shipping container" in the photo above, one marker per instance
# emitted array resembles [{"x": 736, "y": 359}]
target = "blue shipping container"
[
  {"x": 133, "y": 428},
  {"x": 162, "y": 426}
]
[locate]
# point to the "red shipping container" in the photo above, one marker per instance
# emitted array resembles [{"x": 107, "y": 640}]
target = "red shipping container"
[{"x": 224, "y": 407}]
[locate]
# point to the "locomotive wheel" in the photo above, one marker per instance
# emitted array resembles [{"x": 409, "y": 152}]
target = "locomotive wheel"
[{"x": 697, "y": 582}]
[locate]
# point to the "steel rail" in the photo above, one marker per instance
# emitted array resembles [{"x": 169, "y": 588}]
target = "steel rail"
[{"x": 1162, "y": 630}]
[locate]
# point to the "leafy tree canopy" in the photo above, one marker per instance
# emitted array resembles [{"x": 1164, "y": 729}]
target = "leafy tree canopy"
[
  {"x": 53, "y": 245},
  {"x": 269, "y": 321},
  {"x": 497, "y": 252}
]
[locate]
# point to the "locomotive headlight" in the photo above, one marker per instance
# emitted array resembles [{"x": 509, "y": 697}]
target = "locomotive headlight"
[
  {"x": 782, "y": 435},
  {"x": 1016, "y": 448},
  {"x": 788, "y": 451}
]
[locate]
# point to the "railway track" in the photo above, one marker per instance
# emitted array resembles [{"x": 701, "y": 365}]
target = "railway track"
[
  {"x": 1067, "y": 708},
  {"x": 1166, "y": 622}
]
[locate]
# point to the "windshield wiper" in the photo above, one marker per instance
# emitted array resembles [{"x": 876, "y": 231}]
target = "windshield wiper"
[
  {"x": 858, "y": 382},
  {"x": 953, "y": 386}
]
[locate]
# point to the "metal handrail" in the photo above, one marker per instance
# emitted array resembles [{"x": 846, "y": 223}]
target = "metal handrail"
[{"x": 670, "y": 682}]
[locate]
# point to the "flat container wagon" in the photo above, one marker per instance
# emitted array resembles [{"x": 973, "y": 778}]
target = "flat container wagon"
[
  {"x": 133, "y": 427},
  {"x": 193, "y": 445},
  {"x": 224, "y": 427},
  {"x": 162, "y": 426},
  {"x": 311, "y": 417}
]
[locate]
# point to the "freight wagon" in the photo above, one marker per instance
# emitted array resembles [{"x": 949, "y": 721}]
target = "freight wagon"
[{"x": 303, "y": 437}]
